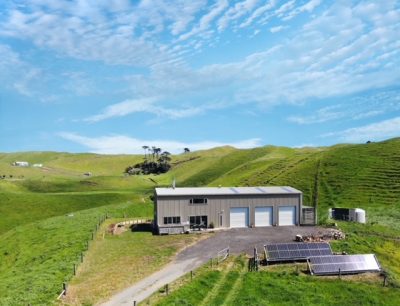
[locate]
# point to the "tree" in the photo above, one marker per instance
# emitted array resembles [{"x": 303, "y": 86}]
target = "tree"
[
  {"x": 145, "y": 151},
  {"x": 159, "y": 163},
  {"x": 186, "y": 150}
]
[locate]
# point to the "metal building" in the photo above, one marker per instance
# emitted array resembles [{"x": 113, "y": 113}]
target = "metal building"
[{"x": 178, "y": 209}]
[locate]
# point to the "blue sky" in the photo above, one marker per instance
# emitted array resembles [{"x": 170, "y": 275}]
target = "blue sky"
[{"x": 111, "y": 76}]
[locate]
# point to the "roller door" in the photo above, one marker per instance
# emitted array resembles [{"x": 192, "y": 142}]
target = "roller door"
[
  {"x": 239, "y": 217},
  {"x": 263, "y": 216},
  {"x": 287, "y": 215}
]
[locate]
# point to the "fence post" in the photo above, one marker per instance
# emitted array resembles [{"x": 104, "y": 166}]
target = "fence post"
[
  {"x": 191, "y": 275},
  {"x": 166, "y": 289},
  {"x": 65, "y": 289},
  {"x": 74, "y": 269},
  {"x": 384, "y": 280},
  {"x": 87, "y": 245},
  {"x": 134, "y": 303},
  {"x": 340, "y": 274}
]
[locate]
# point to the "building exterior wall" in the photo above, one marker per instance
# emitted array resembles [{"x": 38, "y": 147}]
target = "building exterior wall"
[{"x": 217, "y": 205}]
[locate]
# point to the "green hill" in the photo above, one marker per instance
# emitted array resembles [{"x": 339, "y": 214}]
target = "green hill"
[{"x": 34, "y": 202}]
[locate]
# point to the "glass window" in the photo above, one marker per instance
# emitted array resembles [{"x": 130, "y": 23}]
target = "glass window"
[
  {"x": 198, "y": 221},
  {"x": 198, "y": 201},
  {"x": 172, "y": 220}
]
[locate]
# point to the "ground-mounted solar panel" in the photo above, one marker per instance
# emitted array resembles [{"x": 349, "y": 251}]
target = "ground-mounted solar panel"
[
  {"x": 296, "y": 250},
  {"x": 343, "y": 264}
]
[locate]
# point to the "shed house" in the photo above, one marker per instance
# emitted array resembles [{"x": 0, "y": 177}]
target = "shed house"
[{"x": 178, "y": 209}]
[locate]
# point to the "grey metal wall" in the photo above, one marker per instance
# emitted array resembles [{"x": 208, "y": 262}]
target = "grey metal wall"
[{"x": 171, "y": 206}]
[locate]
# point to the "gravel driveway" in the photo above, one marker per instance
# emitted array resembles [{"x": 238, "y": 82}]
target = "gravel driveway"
[{"x": 238, "y": 240}]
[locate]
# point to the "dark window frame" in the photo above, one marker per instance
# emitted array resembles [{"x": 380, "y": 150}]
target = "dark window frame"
[
  {"x": 197, "y": 201},
  {"x": 172, "y": 220},
  {"x": 198, "y": 221}
]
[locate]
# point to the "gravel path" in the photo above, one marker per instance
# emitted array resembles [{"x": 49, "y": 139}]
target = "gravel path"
[{"x": 238, "y": 240}]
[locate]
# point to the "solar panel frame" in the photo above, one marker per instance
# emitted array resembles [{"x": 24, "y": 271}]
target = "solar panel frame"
[
  {"x": 295, "y": 250},
  {"x": 348, "y": 264}
]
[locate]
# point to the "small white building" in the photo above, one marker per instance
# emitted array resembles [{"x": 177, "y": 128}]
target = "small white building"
[{"x": 20, "y": 164}]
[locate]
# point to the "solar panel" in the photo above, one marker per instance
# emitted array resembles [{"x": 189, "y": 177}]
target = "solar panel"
[
  {"x": 330, "y": 265},
  {"x": 296, "y": 250}
]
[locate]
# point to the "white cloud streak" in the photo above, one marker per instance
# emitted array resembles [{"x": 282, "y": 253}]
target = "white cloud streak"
[
  {"x": 148, "y": 105},
  {"x": 374, "y": 131},
  {"x": 120, "y": 144},
  {"x": 356, "y": 108}
]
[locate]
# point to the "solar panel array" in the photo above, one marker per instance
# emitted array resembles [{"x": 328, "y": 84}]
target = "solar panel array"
[
  {"x": 330, "y": 265},
  {"x": 296, "y": 250}
]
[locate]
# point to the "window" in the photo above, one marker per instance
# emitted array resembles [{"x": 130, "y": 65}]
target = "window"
[
  {"x": 172, "y": 220},
  {"x": 198, "y": 221},
  {"x": 198, "y": 201}
]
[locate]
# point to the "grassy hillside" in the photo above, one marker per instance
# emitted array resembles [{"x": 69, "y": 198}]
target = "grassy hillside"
[
  {"x": 37, "y": 239},
  {"x": 231, "y": 284},
  {"x": 36, "y": 258}
]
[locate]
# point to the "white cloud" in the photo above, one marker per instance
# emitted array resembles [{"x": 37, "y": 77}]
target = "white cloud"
[
  {"x": 374, "y": 131},
  {"x": 148, "y": 105},
  {"x": 308, "y": 7},
  {"x": 206, "y": 20},
  {"x": 119, "y": 144},
  {"x": 17, "y": 74},
  {"x": 356, "y": 108},
  {"x": 235, "y": 12},
  {"x": 277, "y": 29},
  {"x": 322, "y": 115},
  {"x": 260, "y": 11}
]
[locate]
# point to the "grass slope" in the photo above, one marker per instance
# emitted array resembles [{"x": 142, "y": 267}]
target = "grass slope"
[
  {"x": 35, "y": 259},
  {"x": 115, "y": 262},
  {"x": 274, "y": 286}
]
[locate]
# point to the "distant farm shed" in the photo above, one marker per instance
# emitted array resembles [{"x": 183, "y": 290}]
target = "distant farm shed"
[
  {"x": 20, "y": 164},
  {"x": 179, "y": 209}
]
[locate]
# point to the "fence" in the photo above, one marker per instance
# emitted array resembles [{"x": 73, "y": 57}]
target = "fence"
[
  {"x": 81, "y": 257},
  {"x": 222, "y": 255}
]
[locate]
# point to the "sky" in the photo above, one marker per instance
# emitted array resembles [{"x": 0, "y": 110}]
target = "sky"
[{"x": 112, "y": 76}]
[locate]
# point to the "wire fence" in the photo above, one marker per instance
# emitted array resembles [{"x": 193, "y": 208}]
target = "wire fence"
[{"x": 222, "y": 255}]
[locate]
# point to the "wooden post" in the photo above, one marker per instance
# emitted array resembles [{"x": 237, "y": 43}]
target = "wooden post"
[
  {"x": 87, "y": 245},
  {"x": 65, "y": 289},
  {"x": 74, "y": 269},
  {"x": 191, "y": 275},
  {"x": 340, "y": 274},
  {"x": 134, "y": 303},
  {"x": 166, "y": 289},
  {"x": 384, "y": 280}
]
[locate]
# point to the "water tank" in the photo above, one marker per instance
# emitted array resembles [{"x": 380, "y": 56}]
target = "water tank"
[{"x": 360, "y": 215}]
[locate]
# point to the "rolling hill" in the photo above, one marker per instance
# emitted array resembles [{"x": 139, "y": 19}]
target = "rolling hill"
[{"x": 35, "y": 201}]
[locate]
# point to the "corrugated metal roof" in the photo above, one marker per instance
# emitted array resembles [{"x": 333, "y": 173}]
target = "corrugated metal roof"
[{"x": 197, "y": 191}]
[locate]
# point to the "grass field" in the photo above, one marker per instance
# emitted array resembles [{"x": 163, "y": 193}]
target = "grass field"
[
  {"x": 35, "y": 259},
  {"x": 115, "y": 262},
  {"x": 38, "y": 242},
  {"x": 231, "y": 284}
]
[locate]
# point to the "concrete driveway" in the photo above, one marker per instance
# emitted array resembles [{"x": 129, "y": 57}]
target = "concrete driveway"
[{"x": 238, "y": 240}]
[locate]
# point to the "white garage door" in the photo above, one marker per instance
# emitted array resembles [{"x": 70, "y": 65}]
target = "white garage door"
[
  {"x": 287, "y": 215},
  {"x": 263, "y": 216},
  {"x": 239, "y": 217}
]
